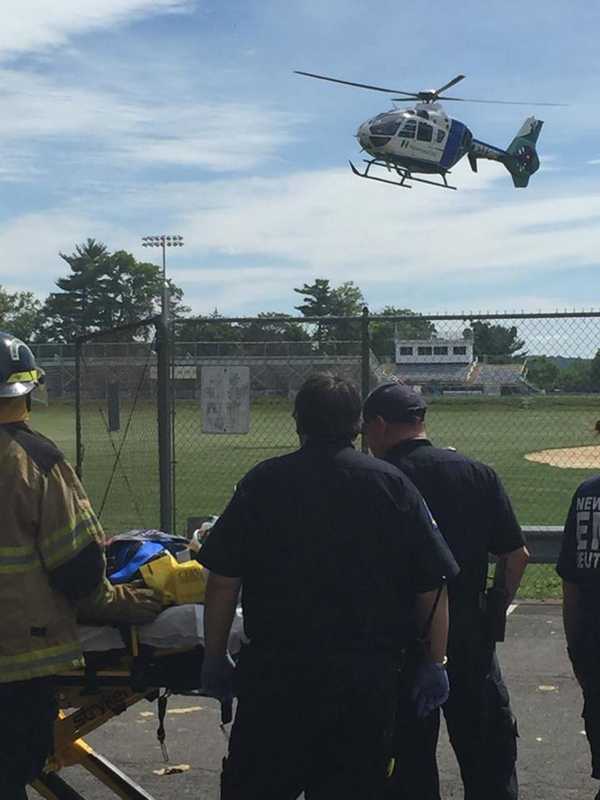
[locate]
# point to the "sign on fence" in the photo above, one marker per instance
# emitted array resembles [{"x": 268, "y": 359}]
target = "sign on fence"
[
  {"x": 225, "y": 399},
  {"x": 178, "y": 373}
]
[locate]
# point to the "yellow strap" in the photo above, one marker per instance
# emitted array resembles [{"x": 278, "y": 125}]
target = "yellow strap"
[{"x": 24, "y": 377}]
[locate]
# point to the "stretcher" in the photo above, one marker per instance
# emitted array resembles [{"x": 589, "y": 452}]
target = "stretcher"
[{"x": 122, "y": 668}]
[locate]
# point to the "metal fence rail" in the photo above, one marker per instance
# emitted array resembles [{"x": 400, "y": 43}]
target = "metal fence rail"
[{"x": 543, "y": 543}]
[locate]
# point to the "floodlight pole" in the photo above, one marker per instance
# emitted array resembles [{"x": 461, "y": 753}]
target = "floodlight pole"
[
  {"x": 165, "y": 292},
  {"x": 164, "y": 398}
]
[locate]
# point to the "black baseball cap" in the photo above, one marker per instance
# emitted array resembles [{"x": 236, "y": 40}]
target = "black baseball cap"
[{"x": 395, "y": 402}]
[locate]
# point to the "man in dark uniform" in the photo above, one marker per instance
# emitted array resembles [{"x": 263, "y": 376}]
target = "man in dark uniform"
[
  {"x": 579, "y": 567},
  {"x": 340, "y": 561},
  {"x": 475, "y": 517},
  {"x": 51, "y": 565}
]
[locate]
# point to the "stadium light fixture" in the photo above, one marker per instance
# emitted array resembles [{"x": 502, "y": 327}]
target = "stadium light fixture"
[{"x": 163, "y": 241}]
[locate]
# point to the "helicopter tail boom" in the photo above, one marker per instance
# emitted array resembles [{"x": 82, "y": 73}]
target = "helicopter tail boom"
[{"x": 520, "y": 158}]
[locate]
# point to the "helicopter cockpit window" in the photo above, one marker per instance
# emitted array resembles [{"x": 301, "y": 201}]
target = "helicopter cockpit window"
[
  {"x": 423, "y": 114},
  {"x": 385, "y": 125},
  {"x": 441, "y": 136},
  {"x": 424, "y": 132},
  {"x": 408, "y": 129}
]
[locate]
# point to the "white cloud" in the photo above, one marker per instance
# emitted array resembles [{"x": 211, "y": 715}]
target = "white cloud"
[
  {"x": 112, "y": 119},
  {"x": 224, "y": 136},
  {"x": 30, "y": 246},
  {"x": 250, "y": 241},
  {"x": 594, "y": 161},
  {"x": 329, "y": 224},
  {"x": 35, "y": 107},
  {"x": 33, "y": 25}
]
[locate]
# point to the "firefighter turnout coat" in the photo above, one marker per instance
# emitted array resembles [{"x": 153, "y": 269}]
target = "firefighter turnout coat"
[{"x": 50, "y": 556}]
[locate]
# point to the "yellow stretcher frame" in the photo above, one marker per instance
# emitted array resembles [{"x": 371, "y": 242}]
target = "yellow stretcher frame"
[
  {"x": 86, "y": 713},
  {"x": 87, "y": 708}
]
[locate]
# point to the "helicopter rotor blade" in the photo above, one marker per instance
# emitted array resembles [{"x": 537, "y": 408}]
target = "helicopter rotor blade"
[
  {"x": 499, "y": 102},
  {"x": 427, "y": 96},
  {"x": 453, "y": 82},
  {"x": 409, "y": 95}
]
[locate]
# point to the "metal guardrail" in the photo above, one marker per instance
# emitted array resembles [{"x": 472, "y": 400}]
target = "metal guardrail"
[{"x": 543, "y": 543}]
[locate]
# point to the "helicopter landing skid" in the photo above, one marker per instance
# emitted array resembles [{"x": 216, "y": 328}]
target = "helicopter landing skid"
[{"x": 402, "y": 173}]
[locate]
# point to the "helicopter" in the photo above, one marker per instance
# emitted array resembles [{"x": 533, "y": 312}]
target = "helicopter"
[{"x": 426, "y": 141}]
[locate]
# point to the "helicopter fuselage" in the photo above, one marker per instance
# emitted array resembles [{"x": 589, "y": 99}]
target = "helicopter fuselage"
[{"x": 423, "y": 139}]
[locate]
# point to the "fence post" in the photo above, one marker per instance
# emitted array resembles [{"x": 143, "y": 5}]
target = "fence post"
[
  {"x": 365, "y": 363},
  {"x": 78, "y": 440},
  {"x": 165, "y": 442}
]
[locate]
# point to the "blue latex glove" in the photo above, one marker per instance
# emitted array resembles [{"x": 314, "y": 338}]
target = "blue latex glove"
[{"x": 431, "y": 687}]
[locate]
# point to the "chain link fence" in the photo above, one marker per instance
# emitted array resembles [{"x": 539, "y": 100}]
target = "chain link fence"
[
  {"x": 117, "y": 453},
  {"x": 519, "y": 392},
  {"x": 209, "y": 463}
]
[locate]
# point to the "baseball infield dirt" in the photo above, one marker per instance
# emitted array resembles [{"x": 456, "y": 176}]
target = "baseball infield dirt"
[{"x": 569, "y": 457}]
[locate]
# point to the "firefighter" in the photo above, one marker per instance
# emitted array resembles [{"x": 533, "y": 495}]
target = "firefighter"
[{"x": 51, "y": 566}]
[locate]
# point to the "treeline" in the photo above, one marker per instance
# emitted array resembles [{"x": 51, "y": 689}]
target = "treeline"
[
  {"x": 553, "y": 375},
  {"x": 103, "y": 289}
]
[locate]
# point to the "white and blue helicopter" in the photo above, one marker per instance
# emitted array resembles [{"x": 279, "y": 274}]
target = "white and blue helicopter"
[{"x": 425, "y": 140}]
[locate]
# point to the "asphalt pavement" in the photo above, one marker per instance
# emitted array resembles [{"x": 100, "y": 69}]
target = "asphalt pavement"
[{"x": 553, "y": 753}]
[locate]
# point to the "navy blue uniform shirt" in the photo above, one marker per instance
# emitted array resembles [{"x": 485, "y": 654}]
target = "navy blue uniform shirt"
[
  {"x": 579, "y": 560},
  {"x": 332, "y": 546},
  {"x": 470, "y": 506}
]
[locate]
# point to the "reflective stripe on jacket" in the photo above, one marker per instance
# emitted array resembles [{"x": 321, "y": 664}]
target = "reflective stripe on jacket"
[{"x": 47, "y": 530}]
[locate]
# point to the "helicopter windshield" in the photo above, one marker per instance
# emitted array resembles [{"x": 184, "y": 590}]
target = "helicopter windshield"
[
  {"x": 425, "y": 132},
  {"x": 408, "y": 129},
  {"x": 385, "y": 124}
]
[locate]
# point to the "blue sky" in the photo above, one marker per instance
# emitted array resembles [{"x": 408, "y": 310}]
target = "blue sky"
[{"x": 130, "y": 117}]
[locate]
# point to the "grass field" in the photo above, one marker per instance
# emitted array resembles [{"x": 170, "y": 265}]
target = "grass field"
[{"x": 500, "y": 432}]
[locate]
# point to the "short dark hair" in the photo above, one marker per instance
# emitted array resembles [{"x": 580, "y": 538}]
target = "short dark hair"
[{"x": 327, "y": 406}]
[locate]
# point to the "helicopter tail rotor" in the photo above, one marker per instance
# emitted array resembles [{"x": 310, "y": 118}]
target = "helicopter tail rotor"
[{"x": 521, "y": 158}]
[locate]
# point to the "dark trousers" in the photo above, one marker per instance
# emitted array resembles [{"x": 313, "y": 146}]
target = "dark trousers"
[
  {"x": 481, "y": 727},
  {"x": 591, "y": 718},
  {"x": 587, "y": 667},
  {"x": 322, "y": 727},
  {"x": 28, "y": 710}
]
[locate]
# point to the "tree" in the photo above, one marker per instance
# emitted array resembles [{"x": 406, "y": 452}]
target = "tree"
[
  {"x": 496, "y": 343},
  {"x": 318, "y": 299},
  {"x": 103, "y": 290},
  {"x": 322, "y": 300},
  {"x": 384, "y": 333},
  {"x": 575, "y": 377},
  {"x": 271, "y": 330},
  {"x": 208, "y": 328},
  {"x": 211, "y": 330},
  {"x": 542, "y": 373},
  {"x": 19, "y": 314}
]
